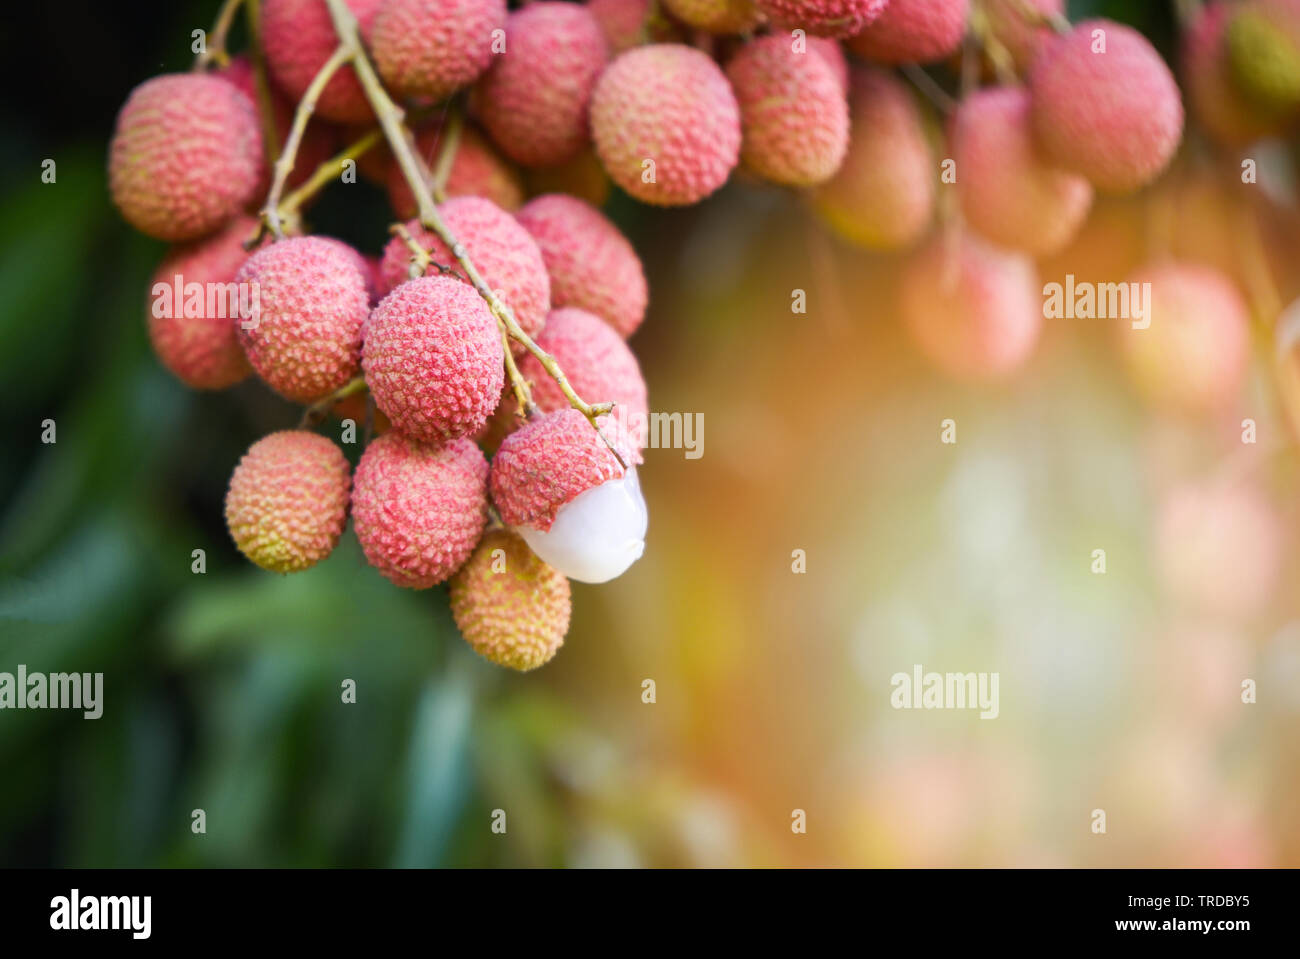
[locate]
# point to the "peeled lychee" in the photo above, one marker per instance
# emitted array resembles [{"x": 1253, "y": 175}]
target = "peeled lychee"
[
  {"x": 288, "y": 500},
  {"x": 432, "y": 48},
  {"x": 1105, "y": 105},
  {"x": 883, "y": 195},
  {"x": 590, "y": 263},
  {"x": 975, "y": 311},
  {"x": 511, "y": 607},
  {"x": 716, "y": 16},
  {"x": 298, "y": 38},
  {"x": 1007, "y": 192},
  {"x": 185, "y": 157},
  {"x": 419, "y": 510},
  {"x": 304, "y": 338},
  {"x": 666, "y": 124},
  {"x": 794, "y": 115},
  {"x": 825, "y": 18},
  {"x": 476, "y": 170},
  {"x": 913, "y": 31},
  {"x": 433, "y": 359},
  {"x": 533, "y": 101}
]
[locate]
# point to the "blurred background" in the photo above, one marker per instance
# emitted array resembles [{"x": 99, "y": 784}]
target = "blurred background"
[{"x": 1119, "y": 691}]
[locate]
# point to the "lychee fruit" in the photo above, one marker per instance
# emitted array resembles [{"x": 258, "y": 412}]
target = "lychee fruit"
[
  {"x": 288, "y": 500},
  {"x": 418, "y": 510},
  {"x": 1223, "y": 111},
  {"x": 913, "y": 31},
  {"x": 1007, "y": 192},
  {"x": 794, "y": 114},
  {"x": 432, "y": 48},
  {"x": 883, "y": 195},
  {"x": 1105, "y": 105},
  {"x": 973, "y": 310},
  {"x": 433, "y": 359},
  {"x": 566, "y": 493},
  {"x": 1009, "y": 25},
  {"x": 476, "y": 170},
  {"x": 1193, "y": 356},
  {"x": 195, "y": 337},
  {"x": 666, "y": 124},
  {"x": 622, "y": 21},
  {"x": 716, "y": 16},
  {"x": 824, "y": 18},
  {"x": 1263, "y": 46},
  {"x": 298, "y": 38},
  {"x": 832, "y": 52},
  {"x": 185, "y": 157},
  {"x": 590, "y": 263},
  {"x": 304, "y": 337},
  {"x": 511, "y": 607},
  {"x": 533, "y": 100}
]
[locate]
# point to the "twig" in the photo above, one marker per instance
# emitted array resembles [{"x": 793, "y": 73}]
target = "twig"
[
  {"x": 1045, "y": 18},
  {"x": 320, "y": 409},
  {"x": 446, "y": 155},
  {"x": 942, "y": 100},
  {"x": 523, "y": 392},
  {"x": 261, "y": 82},
  {"x": 328, "y": 171},
  {"x": 214, "y": 44}
]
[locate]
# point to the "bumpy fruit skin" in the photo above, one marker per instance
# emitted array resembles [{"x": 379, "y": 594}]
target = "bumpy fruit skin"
[
  {"x": 288, "y": 500},
  {"x": 185, "y": 156},
  {"x": 476, "y": 170},
  {"x": 502, "y": 250},
  {"x": 1007, "y": 192},
  {"x": 913, "y": 31},
  {"x": 833, "y": 53},
  {"x": 433, "y": 359},
  {"x": 972, "y": 309},
  {"x": 432, "y": 48},
  {"x": 672, "y": 105},
  {"x": 595, "y": 359},
  {"x": 298, "y": 37},
  {"x": 514, "y": 616},
  {"x": 622, "y": 21},
  {"x": 794, "y": 115},
  {"x": 533, "y": 101},
  {"x": 716, "y": 16},
  {"x": 1221, "y": 109},
  {"x": 306, "y": 340},
  {"x": 590, "y": 263},
  {"x": 825, "y": 18},
  {"x": 883, "y": 195},
  {"x": 418, "y": 510},
  {"x": 552, "y": 460},
  {"x": 1193, "y": 357},
  {"x": 1120, "y": 135},
  {"x": 1009, "y": 26},
  {"x": 201, "y": 351}
]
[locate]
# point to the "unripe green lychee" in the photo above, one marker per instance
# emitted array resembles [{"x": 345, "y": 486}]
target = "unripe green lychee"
[
  {"x": 298, "y": 37},
  {"x": 913, "y": 31},
  {"x": 432, "y": 48},
  {"x": 288, "y": 500},
  {"x": 1223, "y": 110},
  {"x": 511, "y": 607},
  {"x": 1263, "y": 45},
  {"x": 716, "y": 16}
]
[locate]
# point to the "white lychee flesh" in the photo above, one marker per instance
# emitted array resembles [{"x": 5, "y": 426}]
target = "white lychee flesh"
[{"x": 598, "y": 534}]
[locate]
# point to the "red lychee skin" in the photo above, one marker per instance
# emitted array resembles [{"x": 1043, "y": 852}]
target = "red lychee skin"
[
  {"x": 913, "y": 31},
  {"x": 622, "y": 21},
  {"x": 832, "y": 52},
  {"x": 533, "y": 101},
  {"x": 550, "y": 461},
  {"x": 503, "y": 252},
  {"x": 185, "y": 156},
  {"x": 432, "y": 48},
  {"x": 1194, "y": 356},
  {"x": 591, "y": 264},
  {"x": 825, "y": 18},
  {"x": 716, "y": 16},
  {"x": 975, "y": 311},
  {"x": 476, "y": 170},
  {"x": 672, "y": 105},
  {"x": 794, "y": 114},
  {"x": 419, "y": 510},
  {"x": 298, "y": 37},
  {"x": 203, "y": 352},
  {"x": 306, "y": 340},
  {"x": 433, "y": 359},
  {"x": 1120, "y": 135},
  {"x": 1007, "y": 192},
  {"x": 1008, "y": 25},
  {"x": 1228, "y": 117},
  {"x": 883, "y": 195},
  {"x": 288, "y": 500}
]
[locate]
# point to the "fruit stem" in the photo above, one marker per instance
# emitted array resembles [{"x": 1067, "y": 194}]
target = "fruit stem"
[
  {"x": 320, "y": 409},
  {"x": 214, "y": 45},
  {"x": 940, "y": 98},
  {"x": 1003, "y": 64},
  {"x": 327, "y": 171},
  {"x": 1044, "y": 18},
  {"x": 446, "y": 154},
  {"x": 523, "y": 391}
]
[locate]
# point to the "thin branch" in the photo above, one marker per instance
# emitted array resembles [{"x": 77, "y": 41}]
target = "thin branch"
[
  {"x": 929, "y": 87},
  {"x": 1048, "y": 18},
  {"x": 214, "y": 44},
  {"x": 446, "y": 155},
  {"x": 320, "y": 409},
  {"x": 523, "y": 392},
  {"x": 328, "y": 171},
  {"x": 261, "y": 82}
]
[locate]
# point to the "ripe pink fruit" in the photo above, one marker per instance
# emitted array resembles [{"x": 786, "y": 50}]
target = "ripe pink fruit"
[
  {"x": 973, "y": 310},
  {"x": 1193, "y": 357},
  {"x": 432, "y": 48},
  {"x": 1007, "y": 192},
  {"x": 913, "y": 31},
  {"x": 591, "y": 264},
  {"x": 202, "y": 350},
  {"x": 305, "y": 340},
  {"x": 185, "y": 156},
  {"x": 298, "y": 38},
  {"x": 666, "y": 125},
  {"x": 288, "y": 500},
  {"x": 533, "y": 101},
  {"x": 622, "y": 21},
  {"x": 418, "y": 510},
  {"x": 1008, "y": 24},
  {"x": 476, "y": 170},
  {"x": 827, "y": 18},
  {"x": 883, "y": 195},
  {"x": 833, "y": 53},
  {"x": 433, "y": 359},
  {"x": 1125, "y": 130},
  {"x": 716, "y": 16},
  {"x": 794, "y": 114},
  {"x": 1220, "y": 107}
]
